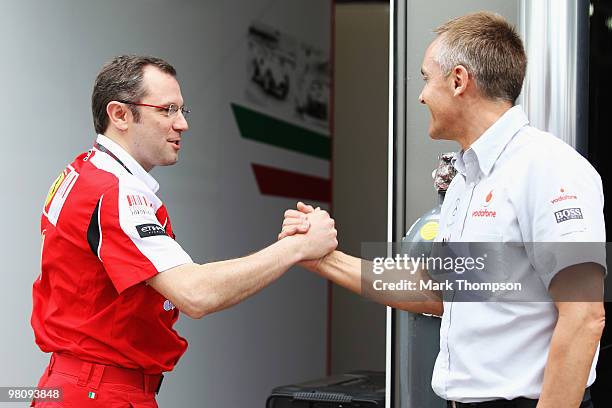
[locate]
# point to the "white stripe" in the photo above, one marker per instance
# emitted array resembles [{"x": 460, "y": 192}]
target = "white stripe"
[
  {"x": 100, "y": 228},
  {"x": 59, "y": 198},
  {"x": 64, "y": 190},
  {"x": 389, "y": 314}
]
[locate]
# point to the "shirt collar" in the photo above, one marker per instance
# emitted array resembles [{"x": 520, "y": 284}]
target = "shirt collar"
[
  {"x": 489, "y": 146},
  {"x": 134, "y": 167}
]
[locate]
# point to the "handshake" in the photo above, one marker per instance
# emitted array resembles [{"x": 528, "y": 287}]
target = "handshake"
[
  {"x": 315, "y": 231},
  {"x": 315, "y": 240}
]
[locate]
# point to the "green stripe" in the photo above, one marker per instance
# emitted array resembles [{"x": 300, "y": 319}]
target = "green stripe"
[{"x": 266, "y": 129}]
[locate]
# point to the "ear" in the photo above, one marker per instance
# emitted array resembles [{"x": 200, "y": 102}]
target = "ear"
[
  {"x": 460, "y": 80},
  {"x": 118, "y": 115}
]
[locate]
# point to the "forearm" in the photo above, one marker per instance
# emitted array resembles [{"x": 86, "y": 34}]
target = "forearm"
[
  {"x": 572, "y": 349},
  {"x": 346, "y": 271},
  {"x": 342, "y": 269},
  {"x": 198, "y": 290}
]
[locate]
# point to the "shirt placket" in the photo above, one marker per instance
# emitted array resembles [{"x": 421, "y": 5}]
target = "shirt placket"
[
  {"x": 465, "y": 201},
  {"x": 472, "y": 171}
]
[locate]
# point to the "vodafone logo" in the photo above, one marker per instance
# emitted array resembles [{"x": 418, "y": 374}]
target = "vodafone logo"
[
  {"x": 488, "y": 199},
  {"x": 484, "y": 212},
  {"x": 563, "y": 197}
]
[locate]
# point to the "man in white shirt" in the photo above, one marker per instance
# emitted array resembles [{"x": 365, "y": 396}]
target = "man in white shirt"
[{"x": 514, "y": 184}]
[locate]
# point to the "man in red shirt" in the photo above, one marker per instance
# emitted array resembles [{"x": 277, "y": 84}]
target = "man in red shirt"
[{"x": 113, "y": 278}]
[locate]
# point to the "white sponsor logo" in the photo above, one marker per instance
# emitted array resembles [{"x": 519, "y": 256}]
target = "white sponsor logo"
[{"x": 168, "y": 305}]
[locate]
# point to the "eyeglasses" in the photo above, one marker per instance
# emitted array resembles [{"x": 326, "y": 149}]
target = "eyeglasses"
[{"x": 171, "y": 110}]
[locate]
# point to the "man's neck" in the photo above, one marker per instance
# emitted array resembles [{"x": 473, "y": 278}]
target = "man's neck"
[
  {"x": 119, "y": 140},
  {"x": 479, "y": 117}
]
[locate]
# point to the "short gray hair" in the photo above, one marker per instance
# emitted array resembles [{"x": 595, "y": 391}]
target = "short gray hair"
[{"x": 489, "y": 48}]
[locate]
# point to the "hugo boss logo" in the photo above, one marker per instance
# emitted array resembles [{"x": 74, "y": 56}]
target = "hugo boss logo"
[
  {"x": 150, "y": 230},
  {"x": 568, "y": 214}
]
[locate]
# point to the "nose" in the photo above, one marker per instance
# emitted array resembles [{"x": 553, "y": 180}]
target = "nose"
[
  {"x": 421, "y": 100},
  {"x": 180, "y": 124}
]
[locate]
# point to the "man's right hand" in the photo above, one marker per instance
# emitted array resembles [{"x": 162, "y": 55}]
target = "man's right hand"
[
  {"x": 320, "y": 237},
  {"x": 198, "y": 290},
  {"x": 296, "y": 221}
]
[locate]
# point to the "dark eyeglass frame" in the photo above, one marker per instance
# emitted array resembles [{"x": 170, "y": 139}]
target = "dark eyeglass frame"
[{"x": 171, "y": 110}]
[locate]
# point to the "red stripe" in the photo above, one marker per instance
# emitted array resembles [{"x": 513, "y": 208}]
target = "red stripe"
[{"x": 283, "y": 183}]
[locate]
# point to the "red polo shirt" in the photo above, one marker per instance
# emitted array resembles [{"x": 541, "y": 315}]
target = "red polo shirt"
[{"x": 104, "y": 233}]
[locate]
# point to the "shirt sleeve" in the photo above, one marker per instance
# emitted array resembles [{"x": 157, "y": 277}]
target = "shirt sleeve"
[
  {"x": 132, "y": 244},
  {"x": 561, "y": 215}
]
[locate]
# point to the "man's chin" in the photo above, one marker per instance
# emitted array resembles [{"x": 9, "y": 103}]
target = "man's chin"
[
  {"x": 170, "y": 161},
  {"x": 434, "y": 135},
  {"x": 437, "y": 135}
]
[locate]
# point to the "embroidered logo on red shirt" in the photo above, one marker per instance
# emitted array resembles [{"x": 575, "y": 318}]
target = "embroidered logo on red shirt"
[
  {"x": 134, "y": 199},
  {"x": 139, "y": 205},
  {"x": 168, "y": 306}
]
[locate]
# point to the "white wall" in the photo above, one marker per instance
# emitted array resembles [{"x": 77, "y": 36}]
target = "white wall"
[{"x": 52, "y": 52}]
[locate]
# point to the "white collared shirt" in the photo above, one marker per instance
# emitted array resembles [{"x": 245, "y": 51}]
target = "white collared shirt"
[{"x": 514, "y": 184}]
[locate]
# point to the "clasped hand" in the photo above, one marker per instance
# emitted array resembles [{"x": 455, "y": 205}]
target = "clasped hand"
[{"x": 315, "y": 227}]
